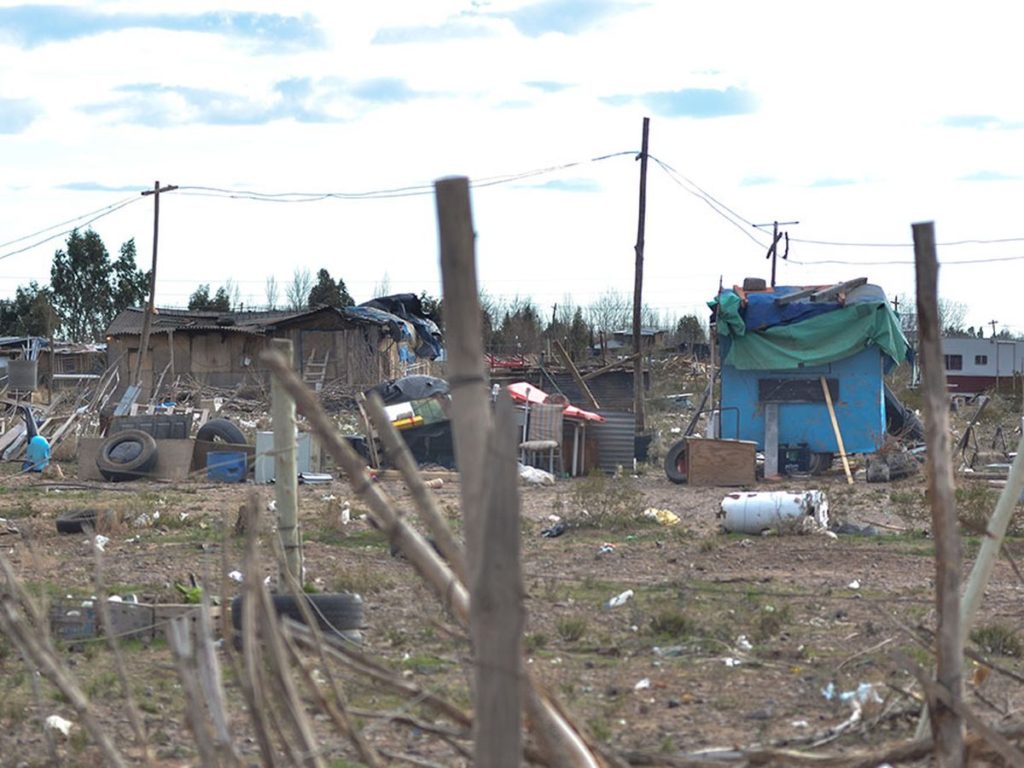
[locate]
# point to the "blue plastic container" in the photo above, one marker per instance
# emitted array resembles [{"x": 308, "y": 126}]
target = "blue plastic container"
[{"x": 226, "y": 466}]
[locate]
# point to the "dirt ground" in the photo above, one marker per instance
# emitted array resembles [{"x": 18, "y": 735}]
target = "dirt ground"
[{"x": 728, "y": 640}]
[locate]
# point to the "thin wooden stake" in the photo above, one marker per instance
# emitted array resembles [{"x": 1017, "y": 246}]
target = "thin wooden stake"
[
  {"x": 835, "y": 428},
  {"x": 286, "y": 476},
  {"x": 497, "y": 606},
  {"x": 947, "y": 722}
]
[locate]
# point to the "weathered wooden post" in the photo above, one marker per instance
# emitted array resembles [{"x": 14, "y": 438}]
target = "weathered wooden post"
[
  {"x": 497, "y": 736},
  {"x": 286, "y": 476},
  {"x": 947, "y": 722}
]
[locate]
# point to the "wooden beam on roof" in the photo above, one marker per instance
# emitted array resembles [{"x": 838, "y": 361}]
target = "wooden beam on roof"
[
  {"x": 827, "y": 294},
  {"x": 567, "y": 362}
]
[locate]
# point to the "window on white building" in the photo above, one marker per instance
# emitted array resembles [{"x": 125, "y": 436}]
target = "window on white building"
[
  {"x": 981, "y": 359},
  {"x": 954, "y": 362}
]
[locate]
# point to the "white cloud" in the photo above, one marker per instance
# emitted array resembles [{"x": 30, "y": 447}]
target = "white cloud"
[{"x": 867, "y": 118}]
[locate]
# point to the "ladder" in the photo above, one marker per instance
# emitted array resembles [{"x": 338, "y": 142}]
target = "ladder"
[{"x": 314, "y": 373}]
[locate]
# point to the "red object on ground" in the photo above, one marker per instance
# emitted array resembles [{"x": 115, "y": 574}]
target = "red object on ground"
[{"x": 524, "y": 392}]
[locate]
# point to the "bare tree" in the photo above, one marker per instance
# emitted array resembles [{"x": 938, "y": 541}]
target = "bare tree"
[
  {"x": 297, "y": 292},
  {"x": 383, "y": 288},
  {"x": 234, "y": 293},
  {"x": 271, "y": 292},
  {"x": 611, "y": 311}
]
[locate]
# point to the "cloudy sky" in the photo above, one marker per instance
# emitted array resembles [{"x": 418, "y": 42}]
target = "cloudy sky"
[{"x": 288, "y": 128}]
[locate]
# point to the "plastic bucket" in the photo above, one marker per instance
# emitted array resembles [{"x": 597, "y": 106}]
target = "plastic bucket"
[{"x": 226, "y": 466}]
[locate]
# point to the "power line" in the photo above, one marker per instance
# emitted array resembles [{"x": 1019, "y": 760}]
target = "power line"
[
  {"x": 414, "y": 190},
  {"x": 106, "y": 212}
]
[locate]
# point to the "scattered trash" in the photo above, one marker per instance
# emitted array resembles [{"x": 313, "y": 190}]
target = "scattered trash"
[
  {"x": 855, "y": 530},
  {"x": 58, "y": 723},
  {"x": 346, "y": 514},
  {"x": 642, "y": 684},
  {"x": 865, "y": 693},
  {"x": 6, "y": 526},
  {"x": 731, "y": 662},
  {"x": 855, "y": 584},
  {"x": 236, "y": 576},
  {"x": 535, "y": 476},
  {"x": 272, "y": 505},
  {"x": 101, "y": 541},
  {"x": 555, "y": 530},
  {"x": 800, "y": 724},
  {"x": 619, "y": 599},
  {"x": 435, "y": 483},
  {"x": 663, "y": 516},
  {"x": 669, "y": 651},
  {"x": 144, "y": 520},
  {"x": 606, "y": 549},
  {"x": 781, "y": 511},
  {"x": 314, "y": 478},
  {"x": 743, "y": 643}
]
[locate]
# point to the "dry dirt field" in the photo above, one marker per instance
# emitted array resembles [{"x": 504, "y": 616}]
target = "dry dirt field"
[{"x": 728, "y": 640}]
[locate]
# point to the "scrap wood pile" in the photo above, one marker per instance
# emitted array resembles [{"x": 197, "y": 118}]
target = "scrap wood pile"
[{"x": 69, "y": 413}]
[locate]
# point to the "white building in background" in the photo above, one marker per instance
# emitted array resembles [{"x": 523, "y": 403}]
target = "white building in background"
[{"x": 975, "y": 365}]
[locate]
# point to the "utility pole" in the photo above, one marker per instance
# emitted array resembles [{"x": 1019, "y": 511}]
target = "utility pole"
[
  {"x": 993, "y": 324},
  {"x": 773, "y": 249},
  {"x": 151, "y": 307},
  {"x": 638, "y": 284}
]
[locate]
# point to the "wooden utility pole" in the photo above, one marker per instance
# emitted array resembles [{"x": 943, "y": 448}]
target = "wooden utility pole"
[
  {"x": 151, "y": 307},
  {"x": 773, "y": 249},
  {"x": 947, "y": 720},
  {"x": 638, "y": 286}
]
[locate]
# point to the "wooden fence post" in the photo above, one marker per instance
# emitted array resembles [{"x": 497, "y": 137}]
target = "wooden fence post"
[
  {"x": 286, "y": 476},
  {"x": 947, "y": 722}
]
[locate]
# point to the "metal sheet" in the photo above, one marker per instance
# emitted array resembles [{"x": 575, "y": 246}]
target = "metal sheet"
[{"x": 616, "y": 443}]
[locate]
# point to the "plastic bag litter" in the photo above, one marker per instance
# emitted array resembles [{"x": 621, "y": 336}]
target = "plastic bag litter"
[
  {"x": 58, "y": 723},
  {"x": 535, "y": 476},
  {"x": 663, "y": 516},
  {"x": 619, "y": 599}
]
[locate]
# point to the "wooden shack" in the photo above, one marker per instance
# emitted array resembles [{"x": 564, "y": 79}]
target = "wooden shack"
[{"x": 222, "y": 349}]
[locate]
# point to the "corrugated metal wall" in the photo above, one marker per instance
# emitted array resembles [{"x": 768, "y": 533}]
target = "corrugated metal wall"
[{"x": 615, "y": 440}]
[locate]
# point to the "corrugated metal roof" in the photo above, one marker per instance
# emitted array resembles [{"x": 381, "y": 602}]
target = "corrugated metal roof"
[
  {"x": 129, "y": 321},
  {"x": 612, "y": 389}
]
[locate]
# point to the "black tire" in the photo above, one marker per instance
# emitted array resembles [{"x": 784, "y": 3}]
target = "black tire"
[
  {"x": 336, "y": 613},
  {"x": 677, "y": 463},
  {"x": 126, "y": 455},
  {"x": 76, "y": 520},
  {"x": 221, "y": 429},
  {"x": 820, "y": 463}
]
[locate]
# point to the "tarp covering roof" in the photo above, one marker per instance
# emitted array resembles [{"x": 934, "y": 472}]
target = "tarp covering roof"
[{"x": 763, "y": 334}]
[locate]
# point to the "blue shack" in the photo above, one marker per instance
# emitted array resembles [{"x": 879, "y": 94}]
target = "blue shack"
[{"x": 780, "y": 348}]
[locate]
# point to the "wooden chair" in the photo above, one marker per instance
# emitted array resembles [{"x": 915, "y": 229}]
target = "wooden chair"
[{"x": 544, "y": 434}]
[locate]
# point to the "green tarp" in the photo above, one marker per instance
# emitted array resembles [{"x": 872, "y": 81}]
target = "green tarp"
[{"x": 818, "y": 340}]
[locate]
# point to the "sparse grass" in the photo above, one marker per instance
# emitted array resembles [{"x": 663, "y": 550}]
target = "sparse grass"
[
  {"x": 535, "y": 641},
  {"x": 599, "y": 501},
  {"x": 770, "y": 622},
  {"x": 998, "y": 639},
  {"x": 571, "y": 628},
  {"x": 361, "y": 580},
  {"x": 672, "y": 624}
]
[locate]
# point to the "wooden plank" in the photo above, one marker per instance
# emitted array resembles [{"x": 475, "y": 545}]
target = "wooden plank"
[
  {"x": 771, "y": 439},
  {"x": 839, "y": 290},
  {"x": 574, "y": 371},
  {"x": 835, "y": 428},
  {"x": 948, "y": 725},
  {"x": 721, "y": 462},
  {"x": 610, "y": 367}
]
